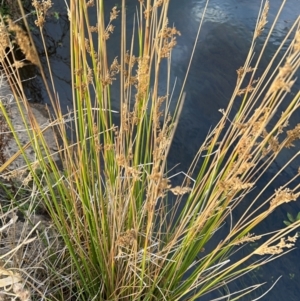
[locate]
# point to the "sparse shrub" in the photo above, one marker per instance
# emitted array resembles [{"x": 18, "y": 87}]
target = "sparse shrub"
[{"x": 123, "y": 240}]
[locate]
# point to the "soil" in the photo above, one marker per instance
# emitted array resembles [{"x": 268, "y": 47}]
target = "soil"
[{"x": 19, "y": 242}]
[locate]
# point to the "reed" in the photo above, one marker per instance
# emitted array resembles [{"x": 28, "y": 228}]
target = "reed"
[{"x": 111, "y": 204}]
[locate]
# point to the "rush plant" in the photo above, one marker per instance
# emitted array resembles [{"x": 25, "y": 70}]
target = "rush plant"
[{"x": 127, "y": 232}]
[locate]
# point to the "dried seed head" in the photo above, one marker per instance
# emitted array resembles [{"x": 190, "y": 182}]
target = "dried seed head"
[
  {"x": 133, "y": 173},
  {"x": 93, "y": 28},
  {"x": 292, "y": 135},
  {"x": 108, "y": 31},
  {"x": 248, "y": 89},
  {"x": 282, "y": 80},
  {"x": 247, "y": 238},
  {"x": 114, "y": 67},
  {"x": 168, "y": 35},
  {"x": 285, "y": 243},
  {"x": 87, "y": 46},
  {"x": 147, "y": 12},
  {"x": 282, "y": 196},
  {"x": 107, "y": 80},
  {"x": 142, "y": 78},
  {"x": 263, "y": 20},
  {"x": 274, "y": 144},
  {"x": 42, "y": 8},
  {"x": 244, "y": 146},
  {"x": 244, "y": 167},
  {"x": 109, "y": 76},
  {"x": 242, "y": 70},
  {"x": 155, "y": 176},
  {"x": 90, "y": 3},
  {"x": 127, "y": 239},
  {"x": 43, "y": 5},
  {"x": 281, "y": 84},
  {"x": 130, "y": 59},
  {"x": 296, "y": 46},
  {"x": 285, "y": 70},
  {"x": 159, "y": 3},
  {"x": 178, "y": 190},
  {"x": 23, "y": 42},
  {"x": 114, "y": 13},
  {"x": 234, "y": 184},
  {"x": 121, "y": 160},
  {"x": 90, "y": 75},
  {"x": 4, "y": 40},
  {"x": 163, "y": 186},
  {"x": 18, "y": 64}
]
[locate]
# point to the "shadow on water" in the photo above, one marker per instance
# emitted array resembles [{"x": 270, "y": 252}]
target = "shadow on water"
[{"x": 221, "y": 50}]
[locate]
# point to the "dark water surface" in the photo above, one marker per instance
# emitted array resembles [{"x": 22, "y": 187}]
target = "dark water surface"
[{"x": 221, "y": 50}]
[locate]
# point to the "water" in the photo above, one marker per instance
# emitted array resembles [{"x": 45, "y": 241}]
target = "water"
[{"x": 220, "y": 51}]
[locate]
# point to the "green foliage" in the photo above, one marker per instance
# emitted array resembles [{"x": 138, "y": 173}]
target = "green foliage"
[
  {"x": 4, "y": 10},
  {"x": 56, "y": 15},
  {"x": 291, "y": 219}
]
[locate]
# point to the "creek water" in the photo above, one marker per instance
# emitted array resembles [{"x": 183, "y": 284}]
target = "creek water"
[{"x": 220, "y": 51}]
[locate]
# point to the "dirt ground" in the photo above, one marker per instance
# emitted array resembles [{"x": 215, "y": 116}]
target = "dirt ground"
[{"x": 19, "y": 242}]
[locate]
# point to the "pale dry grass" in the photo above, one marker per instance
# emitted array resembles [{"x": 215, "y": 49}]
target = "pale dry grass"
[{"x": 12, "y": 280}]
